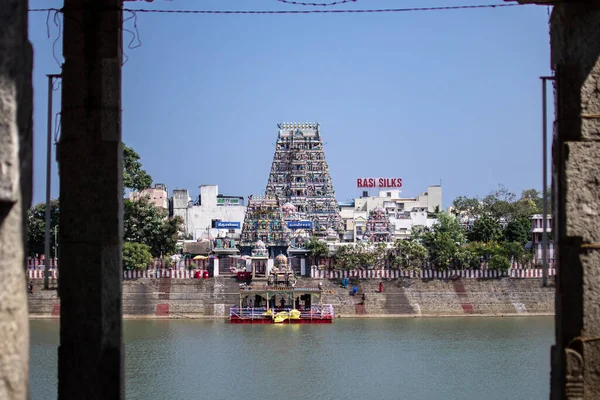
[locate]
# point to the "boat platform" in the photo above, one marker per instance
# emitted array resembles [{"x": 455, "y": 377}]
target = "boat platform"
[
  {"x": 316, "y": 315},
  {"x": 298, "y": 309}
]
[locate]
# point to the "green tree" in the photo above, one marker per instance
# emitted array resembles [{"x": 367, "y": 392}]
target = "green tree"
[
  {"x": 136, "y": 255},
  {"x": 410, "y": 254},
  {"x": 444, "y": 240},
  {"x": 485, "y": 229},
  {"x": 499, "y": 262},
  {"x": 36, "y": 228},
  {"x": 366, "y": 257},
  {"x": 468, "y": 256},
  {"x": 316, "y": 249},
  {"x": 147, "y": 224},
  {"x": 381, "y": 253},
  {"x": 518, "y": 230},
  {"x": 134, "y": 176},
  {"x": 513, "y": 251},
  {"x": 500, "y": 204},
  {"x": 469, "y": 206}
]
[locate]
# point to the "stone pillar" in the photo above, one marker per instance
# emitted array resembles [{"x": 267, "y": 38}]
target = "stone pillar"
[
  {"x": 90, "y": 356},
  {"x": 215, "y": 267},
  {"x": 575, "y": 36},
  {"x": 303, "y": 266},
  {"x": 270, "y": 264},
  {"x": 249, "y": 265},
  {"x": 16, "y": 105}
]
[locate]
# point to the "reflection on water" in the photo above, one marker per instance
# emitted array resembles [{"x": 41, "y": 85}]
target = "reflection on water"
[{"x": 423, "y": 359}]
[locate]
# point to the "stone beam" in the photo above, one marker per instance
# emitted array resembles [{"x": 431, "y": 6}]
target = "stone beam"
[
  {"x": 90, "y": 356},
  {"x": 16, "y": 106},
  {"x": 575, "y": 37}
]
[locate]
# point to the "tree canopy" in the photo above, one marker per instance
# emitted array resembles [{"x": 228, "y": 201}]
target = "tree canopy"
[
  {"x": 36, "y": 227},
  {"x": 147, "y": 224},
  {"x": 485, "y": 229},
  {"x": 443, "y": 241},
  {"x": 316, "y": 249},
  {"x": 144, "y": 223},
  {"x": 134, "y": 176}
]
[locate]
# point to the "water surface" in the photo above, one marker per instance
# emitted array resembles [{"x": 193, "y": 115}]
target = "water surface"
[{"x": 408, "y": 358}]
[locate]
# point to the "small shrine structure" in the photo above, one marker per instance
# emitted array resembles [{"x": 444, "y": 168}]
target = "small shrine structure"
[{"x": 378, "y": 228}]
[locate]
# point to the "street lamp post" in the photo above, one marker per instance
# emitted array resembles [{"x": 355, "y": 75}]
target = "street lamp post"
[
  {"x": 544, "y": 181},
  {"x": 51, "y": 78}
]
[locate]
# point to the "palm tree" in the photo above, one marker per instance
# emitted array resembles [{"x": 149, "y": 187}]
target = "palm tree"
[{"x": 316, "y": 249}]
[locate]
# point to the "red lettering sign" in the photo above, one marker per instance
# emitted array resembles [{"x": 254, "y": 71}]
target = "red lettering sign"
[{"x": 365, "y": 183}]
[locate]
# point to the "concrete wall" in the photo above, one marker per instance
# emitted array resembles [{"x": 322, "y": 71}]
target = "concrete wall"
[{"x": 403, "y": 296}]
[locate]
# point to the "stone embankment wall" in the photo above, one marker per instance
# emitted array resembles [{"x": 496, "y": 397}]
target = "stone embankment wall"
[{"x": 206, "y": 298}]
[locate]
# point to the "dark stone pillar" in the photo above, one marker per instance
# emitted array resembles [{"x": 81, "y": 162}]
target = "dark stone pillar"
[
  {"x": 16, "y": 106},
  {"x": 91, "y": 364},
  {"x": 575, "y": 33}
]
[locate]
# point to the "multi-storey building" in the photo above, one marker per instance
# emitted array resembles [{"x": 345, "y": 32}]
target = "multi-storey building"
[
  {"x": 537, "y": 229},
  {"x": 300, "y": 177},
  {"x": 402, "y": 212},
  {"x": 211, "y": 214},
  {"x": 157, "y": 195}
]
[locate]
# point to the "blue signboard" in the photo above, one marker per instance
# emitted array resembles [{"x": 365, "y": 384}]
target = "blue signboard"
[
  {"x": 300, "y": 225},
  {"x": 227, "y": 225}
]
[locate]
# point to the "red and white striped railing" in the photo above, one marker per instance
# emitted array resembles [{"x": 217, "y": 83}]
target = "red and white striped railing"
[
  {"x": 427, "y": 274},
  {"x": 157, "y": 273}
]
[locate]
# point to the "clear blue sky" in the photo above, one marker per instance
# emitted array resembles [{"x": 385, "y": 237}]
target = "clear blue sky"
[{"x": 451, "y": 95}]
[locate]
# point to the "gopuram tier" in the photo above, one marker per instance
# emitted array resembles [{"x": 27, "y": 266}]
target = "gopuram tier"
[
  {"x": 264, "y": 224},
  {"x": 300, "y": 179}
]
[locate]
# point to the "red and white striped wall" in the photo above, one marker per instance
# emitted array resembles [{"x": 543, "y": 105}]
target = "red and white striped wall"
[
  {"x": 427, "y": 274},
  {"x": 157, "y": 273},
  {"x": 33, "y": 263}
]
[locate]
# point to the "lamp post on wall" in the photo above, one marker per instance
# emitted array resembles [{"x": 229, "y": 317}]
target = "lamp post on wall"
[{"x": 544, "y": 181}]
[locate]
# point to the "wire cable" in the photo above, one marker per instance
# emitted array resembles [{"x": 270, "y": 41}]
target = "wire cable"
[
  {"x": 301, "y": 3},
  {"x": 345, "y": 11}
]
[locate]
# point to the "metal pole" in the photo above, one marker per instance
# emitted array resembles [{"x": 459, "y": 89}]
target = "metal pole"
[
  {"x": 48, "y": 178},
  {"x": 544, "y": 183}
]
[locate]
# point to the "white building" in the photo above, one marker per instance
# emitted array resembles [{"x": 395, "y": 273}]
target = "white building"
[
  {"x": 537, "y": 229},
  {"x": 403, "y": 212},
  {"x": 211, "y": 215}
]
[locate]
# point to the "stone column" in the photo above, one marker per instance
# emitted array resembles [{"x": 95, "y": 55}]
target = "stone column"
[
  {"x": 215, "y": 266},
  {"x": 303, "y": 266},
  {"x": 90, "y": 356},
  {"x": 575, "y": 36},
  {"x": 16, "y": 105}
]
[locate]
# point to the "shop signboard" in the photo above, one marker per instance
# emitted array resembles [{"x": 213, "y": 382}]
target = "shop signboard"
[
  {"x": 300, "y": 224},
  {"x": 382, "y": 183},
  {"x": 227, "y": 225},
  {"x": 227, "y": 201}
]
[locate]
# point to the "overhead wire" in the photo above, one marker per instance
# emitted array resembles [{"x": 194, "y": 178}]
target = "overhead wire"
[
  {"x": 57, "y": 23},
  {"x": 302, "y": 3},
  {"x": 311, "y": 11}
]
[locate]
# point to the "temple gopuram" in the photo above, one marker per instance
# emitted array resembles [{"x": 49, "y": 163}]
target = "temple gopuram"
[
  {"x": 378, "y": 227},
  {"x": 300, "y": 179},
  {"x": 264, "y": 225}
]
